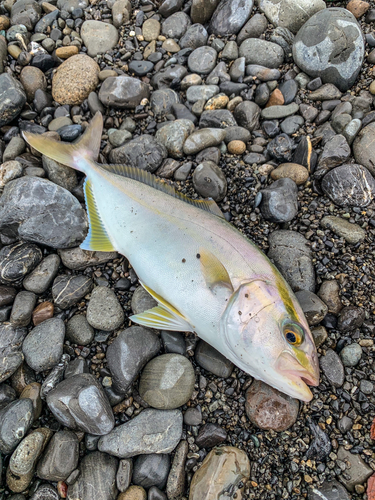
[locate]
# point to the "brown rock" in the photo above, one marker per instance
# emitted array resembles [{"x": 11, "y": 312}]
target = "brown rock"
[
  {"x": 294, "y": 171},
  {"x": 66, "y": 52},
  {"x": 276, "y": 99},
  {"x": 329, "y": 293},
  {"x": 268, "y": 408},
  {"x": 42, "y": 312},
  {"x": 32, "y": 79},
  {"x": 32, "y": 391},
  {"x": 75, "y": 79},
  {"x": 219, "y": 101},
  {"x": 176, "y": 480},
  {"x": 48, "y": 7},
  {"x": 222, "y": 470},
  {"x": 4, "y": 22},
  {"x": 236, "y": 147},
  {"x": 133, "y": 493},
  {"x": 358, "y": 8},
  {"x": 151, "y": 30},
  {"x": 22, "y": 377}
]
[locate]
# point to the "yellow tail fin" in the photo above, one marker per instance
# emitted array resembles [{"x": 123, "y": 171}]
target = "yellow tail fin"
[{"x": 70, "y": 154}]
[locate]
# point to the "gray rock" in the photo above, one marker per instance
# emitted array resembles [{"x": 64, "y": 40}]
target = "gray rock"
[
  {"x": 169, "y": 7},
  {"x": 230, "y": 16},
  {"x": 230, "y": 52},
  {"x": 254, "y": 28},
  {"x": 217, "y": 118},
  {"x": 196, "y": 93},
  {"x": 104, "y": 311},
  {"x": 196, "y": 36},
  {"x": 193, "y": 416},
  {"x": 352, "y": 129},
  {"x": 336, "y": 36},
  {"x": 43, "y": 346},
  {"x": 262, "y": 73},
  {"x": 78, "y": 259},
  {"x": 97, "y": 478},
  {"x": 59, "y": 174},
  {"x": 118, "y": 137},
  {"x": 39, "y": 280},
  {"x": 45, "y": 492},
  {"x": 76, "y": 367},
  {"x": 202, "y": 139},
  {"x": 356, "y": 472},
  {"x": 345, "y": 424},
  {"x": 326, "y": 92},
  {"x": 237, "y": 134},
  {"x": 15, "y": 148},
  {"x": 363, "y": 148},
  {"x": 142, "y": 301},
  {"x": 212, "y": 360},
  {"x": 277, "y": 112},
  {"x": 12, "y": 98},
  {"x": 366, "y": 387},
  {"x": 60, "y": 457},
  {"x": 11, "y": 356},
  {"x": 290, "y": 14},
  {"x": 349, "y": 185},
  {"x": 218, "y": 74},
  {"x": 124, "y": 474},
  {"x": 7, "y": 395},
  {"x": 17, "y": 260},
  {"x": 313, "y": 308},
  {"x": 176, "y": 25},
  {"x": 202, "y": 60},
  {"x": 162, "y": 101},
  {"x": 26, "y": 12},
  {"x": 129, "y": 353},
  {"x": 22, "y": 309},
  {"x": 151, "y": 470},
  {"x": 164, "y": 77},
  {"x": 98, "y": 37},
  {"x": 329, "y": 490},
  {"x": 291, "y": 254},
  {"x": 80, "y": 403},
  {"x": 123, "y": 92},
  {"x": 280, "y": 201},
  {"x": 209, "y": 181},
  {"x": 351, "y": 354},
  {"x": 167, "y": 381},
  {"x": 335, "y": 152},
  {"x": 350, "y": 318},
  {"x": 247, "y": 115},
  {"x": 261, "y": 52},
  {"x": 68, "y": 290},
  {"x": 332, "y": 368},
  {"x": 39, "y": 211},
  {"x": 176, "y": 479},
  {"x": 78, "y": 330},
  {"x": 142, "y": 152},
  {"x": 152, "y": 431},
  {"x": 210, "y": 435},
  {"x": 15, "y": 421},
  {"x": 202, "y": 10},
  {"x": 352, "y": 233},
  {"x": 173, "y": 136}
]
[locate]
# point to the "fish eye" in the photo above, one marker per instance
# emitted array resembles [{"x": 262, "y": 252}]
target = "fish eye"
[{"x": 294, "y": 334}]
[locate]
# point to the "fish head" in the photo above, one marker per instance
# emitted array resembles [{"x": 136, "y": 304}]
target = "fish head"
[{"x": 269, "y": 338}]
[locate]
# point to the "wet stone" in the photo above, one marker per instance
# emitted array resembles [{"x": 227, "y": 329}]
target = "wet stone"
[
  {"x": 12, "y": 98},
  {"x": 104, "y": 311},
  {"x": 129, "y": 353},
  {"x": 76, "y": 367},
  {"x": 279, "y": 201},
  {"x": 336, "y": 151},
  {"x": 151, "y": 470},
  {"x": 143, "y": 152},
  {"x": 17, "y": 260},
  {"x": 351, "y": 354},
  {"x": 80, "y": 403},
  {"x": 11, "y": 356},
  {"x": 254, "y": 28},
  {"x": 312, "y": 306},
  {"x": 60, "y": 457},
  {"x": 352, "y": 233},
  {"x": 332, "y": 368},
  {"x": 230, "y": 16},
  {"x": 247, "y": 115},
  {"x": 197, "y": 92},
  {"x": 329, "y": 293},
  {"x": 68, "y": 290},
  {"x": 123, "y": 92},
  {"x": 210, "y": 435},
  {"x": 39, "y": 280},
  {"x": 15, "y": 421},
  {"x": 268, "y": 408},
  {"x": 167, "y": 382},
  {"x": 212, "y": 360},
  {"x": 22, "y": 309},
  {"x": 43, "y": 346},
  {"x": 209, "y": 181},
  {"x": 173, "y": 136},
  {"x": 330, "y": 490},
  {"x": 202, "y": 10},
  {"x": 196, "y": 36},
  {"x": 78, "y": 330},
  {"x": 202, "y": 60},
  {"x": 152, "y": 431},
  {"x": 357, "y": 471}
]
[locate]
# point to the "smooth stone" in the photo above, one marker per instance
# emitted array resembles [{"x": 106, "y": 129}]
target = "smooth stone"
[
  {"x": 203, "y": 138},
  {"x": 124, "y": 474},
  {"x": 104, "y": 311},
  {"x": 9, "y": 171},
  {"x": 350, "y": 318},
  {"x": 129, "y": 353},
  {"x": 16, "y": 419},
  {"x": 7, "y": 395},
  {"x": 269, "y": 409},
  {"x": 45, "y": 492},
  {"x": 78, "y": 259},
  {"x": 237, "y": 133},
  {"x": 173, "y": 136},
  {"x": 197, "y": 92},
  {"x": 352, "y": 129},
  {"x": 98, "y": 37},
  {"x": 320, "y": 335},
  {"x": 76, "y": 367},
  {"x": 202, "y": 10},
  {"x": 151, "y": 470},
  {"x": 254, "y": 28},
  {"x": 230, "y": 16},
  {"x": 79, "y": 331},
  {"x": 97, "y": 478},
  {"x": 364, "y": 149},
  {"x": 11, "y": 356},
  {"x": 142, "y": 301},
  {"x": 22, "y": 309},
  {"x": 292, "y": 256},
  {"x": 167, "y": 382},
  {"x": 217, "y": 118},
  {"x": 162, "y": 101},
  {"x": 40, "y": 279},
  {"x": 143, "y": 152},
  {"x": 332, "y": 368},
  {"x": 17, "y": 260},
  {"x": 210, "y": 435},
  {"x": 136, "y": 493},
  {"x": 330, "y": 490},
  {"x": 32, "y": 79},
  {"x": 25, "y": 12},
  {"x": 60, "y": 457},
  {"x": 322, "y": 34},
  {"x": 196, "y": 36},
  {"x": 357, "y": 471},
  {"x": 152, "y": 431},
  {"x": 59, "y": 174},
  {"x": 349, "y": 185},
  {"x": 247, "y": 115},
  {"x": 366, "y": 387},
  {"x": 280, "y": 201},
  {"x": 335, "y": 152},
  {"x": 7, "y": 295},
  {"x": 119, "y": 137},
  {"x": 329, "y": 293},
  {"x": 33, "y": 392},
  {"x": 123, "y": 92},
  {"x": 262, "y": 73},
  {"x": 202, "y": 60},
  {"x": 80, "y": 403},
  {"x": 193, "y": 416},
  {"x": 292, "y": 124},
  {"x": 279, "y": 111},
  {"x": 293, "y": 171},
  {"x": 261, "y": 52},
  {"x": 176, "y": 25},
  {"x": 12, "y": 98},
  {"x": 176, "y": 479},
  {"x": 209, "y": 180},
  {"x": 173, "y": 342},
  {"x": 164, "y": 77},
  {"x": 352, "y": 233},
  {"x": 43, "y": 346},
  {"x": 224, "y": 468},
  {"x": 312, "y": 306},
  {"x": 212, "y": 360},
  {"x": 151, "y": 29},
  {"x": 40, "y": 211},
  {"x": 68, "y": 290},
  {"x": 326, "y": 92},
  {"x": 351, "y": 355}
]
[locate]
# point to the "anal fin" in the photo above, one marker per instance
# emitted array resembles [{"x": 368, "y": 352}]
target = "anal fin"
[{"x": 97, "y": 238}]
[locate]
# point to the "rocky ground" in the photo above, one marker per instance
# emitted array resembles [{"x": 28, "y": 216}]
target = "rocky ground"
[{"x": 271, "y": 113}]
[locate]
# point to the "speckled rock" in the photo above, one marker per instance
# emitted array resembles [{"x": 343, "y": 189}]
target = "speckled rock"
[
  {"x": 173, "y": 136},
  {"x": 203, "y": 138},
  {"x": 230, "y": 16},
  {"x": 209, "y": 181},
  {"x": 98, "y": 37},
  {"x": 12, "y": 98},
  {"x": 60, "y": 457},
  {"x": 16, "y": 419},
  {"x": 104, "y": 311},
  {"x": 332, "y": 368},
  {"x": 11, "y": 356},
  {"x": 364, "y": 149},
  {"x": 352, "y": 233},
  {"x": 261, "y": 52}
]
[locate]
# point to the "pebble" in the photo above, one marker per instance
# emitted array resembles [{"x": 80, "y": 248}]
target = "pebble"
[
  {"x": 68, "y": 290},
  {"x": 247, "y": 115},
  {"x": 9, "y": 170},
  {"x": 40, "y": 279},
  {"x": 33, "y": 392},
  {"x": 167, "y": 382},
  {"x": 152, "y": 431},
  {"x": 195, "y": 36},
  {"x": 98, "y": 37},
  {"x": 60, "y": 457},
  {"x": 330, "y": 490},
  {"x": 123, "y": 92},
  {"x": 196, "y": 93},
  {"x": 16, "y": 419},
  {"x": 162, "y": 102},
  {"x": 313, "y": 307},
  {"x": 280, "y": 201},
  {"x": 176, "y": 25},
  {"x": 236, "y": 147},
  {"x": 297, "y": 173},
  {"x": 11, "y": 357},
  {"x": 352, "y": 233},
  {"x": 32, "y": 79},
  {"x": 351, "y": 354},
  {"x": 151, "y": 470},
  {"x": 350, "y": 318},
  {"x": 230, "y": 16},
  {"x": 173, "y": 136},
  {"x": 291, "y": 16},
  {"x": 363, "y": 148},
  {"x": 332, "y": 368},
  {"x": 357, "y": 471},
  {"x": 203, "y": 138},
  {"x": 277, "y": 112},
  {"x": 210, "y": 435},
  {"x": 151, "y": 29},
  {"x": 212, "y": 360},
  {"x": 201, "y": 10},
  {"x": 261, "y": 52},
  {"x": 224, "y": 468},
  {"x": 13, "y": 98},
  {"x": 329, "y": 293},
  {"x": 104, "y": 311},
  {"x": 80, "y": 403},
  {"x": 129, "y": 353},
  {"x": 142, "y": 301},
  {"x": 78, "y": 259},
  {"x": 142, "y": 152},
  {"x": 45, "y": 491},
  {"x": 22, "y": 309},
  {"x": 133, "y": 493},
  {"x": 79, "y": 331},
  {"x": 202, "y": 60},
  {"x": 209, "y": 180}
]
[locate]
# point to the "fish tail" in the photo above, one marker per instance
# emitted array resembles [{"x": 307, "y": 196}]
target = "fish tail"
[{"x": 75, "y": 155}]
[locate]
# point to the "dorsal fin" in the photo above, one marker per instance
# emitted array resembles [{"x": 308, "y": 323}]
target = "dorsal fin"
[
  {"x": 146, "y": 178},
  {"x": 97, "y": 238}
]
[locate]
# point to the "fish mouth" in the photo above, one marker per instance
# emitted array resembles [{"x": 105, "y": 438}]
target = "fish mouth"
[{"x": 299, "y": 377}]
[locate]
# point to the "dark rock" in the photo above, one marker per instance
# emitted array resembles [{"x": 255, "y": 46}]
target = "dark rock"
[
  {"x": 210, "y": 435},
  {"x": 230, "y": 16},
  {"x": 45, "y": 492},
  {"x": 280, "y": 201},
  {"x": 142, "y": 152},
  {"x": 202, "y": 60},
  {"x": 254, "y": 28},
  {"x": 18, "y": 260},
  {"x": 336, "y": 151},
  {"x": 281, "y": 148},
  {"x": 209, "y": 181},
  {"x": 7, "y": 395},
  {"x": 173, "y": 342},
  {"x": 217, "y": 118},
  {"x": 68, "y": 290},
  {"x": 162, "y": 102},
  {"x": 7, "y": 295},
  {"x": 262, "y": 52},
  {"x": 15, "y": 421},
  {"x": 164, "y": 77},
  {"x": 196, "y": 36},
  {"x": 237, "y": 134},
  {"x": 22, "y": 309},
  {"x": 202, "y": 10},
  {"x": 39, "y": 280},
  {"x": 12, "y": 98},
  {"x": 329, "y": 490},
  {"x": 332, "y": 368},
  {"x": 151, "y": 470},
  {"x": 176, "y": 25},
  {"x": 212, "y": 360},
  {"x": 78, "y": 331},
  {"x": 350, "y": 318},
  {"x": 123, "y": 92},
  {"x": 247, "y": 115},
  {"x": 313, "y": 308},
  {"x": 60, "y": 457},
  {"x": 11, "y": 356},
  {"x": 320, "y": 446}
]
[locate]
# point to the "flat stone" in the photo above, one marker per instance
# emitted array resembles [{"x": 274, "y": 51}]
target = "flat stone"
[
  {"x": 268, "y": 408},
  {"x": 332, "y": 368},
  {"x": 152, "y": 431},
  {"x": 98, "y": 37},
  {"x": 151, "y": 29},
  {"x": 40, "y": 279},
  {"x": 15, "y": 421},
  {"x": 212, "y": 360},
  {"x": 11, "y": 356},
  {"x": 338, "y": 63},
  {"x": 80, "y": 403},
  {"x": 22, "y": 309},
  {"x": 329, "y": 293},
  {"x": 104, "y": 311},
  {"x": 68, "y": 290},
  {"x": 78, "y": 259},
  {"x": 356, "y": 472},
  {"x": 203, "y": 138},
  {"x": 277, "y": 112},
  {"x": 60, "y": 457},
  {"x": 162, "y": 101},
  {"x": 352, "y": 233},
  {"x": 123, "y": 92},
  {"x": 230, "y": 16},
  {"x": 280, "y": 201},
  {"x": 261, "y": 52}
]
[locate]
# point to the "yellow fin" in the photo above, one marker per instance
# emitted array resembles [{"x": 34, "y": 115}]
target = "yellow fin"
[
  {"x": 97, "y": 238},
  {"x": 162, "y": 317},
  {"x": 213, "y": 270}
]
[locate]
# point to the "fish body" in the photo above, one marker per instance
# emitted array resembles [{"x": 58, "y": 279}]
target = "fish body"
[{"x": 206, "y": 276}]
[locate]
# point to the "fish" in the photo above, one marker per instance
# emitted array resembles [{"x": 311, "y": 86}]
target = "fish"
[{"x": 204, "y": 274}]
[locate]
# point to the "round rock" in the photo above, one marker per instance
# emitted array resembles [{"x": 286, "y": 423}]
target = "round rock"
[
  {"x": 60, "y": 457},
  {"x": 151, "y": 470},
  {"x": 209, "y": 181},
  {"x": 364, "y": 148},
  {"x": 202, "y": 60},
  {"x": 15, "y": 421},
  {"x": 261, "y": 52},
  {"x": 12, "y": 98},
  {"x": 167, "y": 381},
  {"x": 104, "y": 311},
  {"x": 98, "y": 37},
  {"x": 351, "y": 354},
  {"x": 78, "y": 330}
]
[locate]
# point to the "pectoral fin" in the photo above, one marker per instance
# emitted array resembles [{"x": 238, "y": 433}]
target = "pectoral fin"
[
  {"x": 214, "y": 272},
  {"x": 162, "y": 317}
]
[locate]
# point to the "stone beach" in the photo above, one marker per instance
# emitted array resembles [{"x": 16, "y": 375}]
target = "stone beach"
[{"x": 267, "y": 107}]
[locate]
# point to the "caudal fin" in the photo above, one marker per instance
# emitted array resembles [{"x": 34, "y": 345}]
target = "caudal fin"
[{"x": 87, "y": 147}]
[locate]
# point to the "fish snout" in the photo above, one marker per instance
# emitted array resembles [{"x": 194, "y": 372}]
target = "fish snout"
[{"x": 304, "y": 367}]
